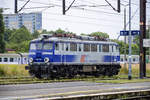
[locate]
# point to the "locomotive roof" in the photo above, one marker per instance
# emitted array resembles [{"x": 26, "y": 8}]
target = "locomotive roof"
[{"x": 65, "y": 39}]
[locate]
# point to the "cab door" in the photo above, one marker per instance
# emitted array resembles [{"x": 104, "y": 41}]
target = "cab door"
[{"x": 112, "y": 53}]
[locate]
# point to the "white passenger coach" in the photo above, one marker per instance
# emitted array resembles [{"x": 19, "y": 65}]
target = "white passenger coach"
[{"x": 13, "y": 58}]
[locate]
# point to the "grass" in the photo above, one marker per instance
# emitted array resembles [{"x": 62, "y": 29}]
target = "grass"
[
  {"x": 7, "y": 70},
  {"x": 122, "y": 77},
  {"x": 135, "y": 71}
]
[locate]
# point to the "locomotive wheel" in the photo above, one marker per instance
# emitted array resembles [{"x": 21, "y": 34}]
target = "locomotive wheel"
[
  {"x": 108, "y": 72},
  {"x": 96, "y": 74},
  {"x": 38, "y": 76}
]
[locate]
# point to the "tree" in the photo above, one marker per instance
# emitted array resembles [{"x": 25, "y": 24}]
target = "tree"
[
  {"x": 19, "y": 39},
  {"x": 35, "y": 35},
  {"x": 60, "y": 31},
  {"x": 2, "y": 28},
  {"x": 135, "y": 49},
  {"x": 20, "y": 35},
  {"x": 84, "y": 34},
  {"x": 19, "y": 47},
  {"x": 100, "y": 34},
  {"x": 122, "y": 46},
  {"x": 7, "y": 34},
  {"x": 47, "y": 32}
]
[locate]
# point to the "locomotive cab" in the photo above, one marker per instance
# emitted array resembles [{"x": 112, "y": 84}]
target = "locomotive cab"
[{"x": 41, "y": 52}]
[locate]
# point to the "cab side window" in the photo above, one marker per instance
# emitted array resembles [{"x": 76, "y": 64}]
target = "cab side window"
[
  {"x": 93, "y": 47},
  {"x": 105, "y": 48},
  {"x": 87, "y": 47},
  {"x": 73, "y": 47},
  {"x": 56, "y": 46}
]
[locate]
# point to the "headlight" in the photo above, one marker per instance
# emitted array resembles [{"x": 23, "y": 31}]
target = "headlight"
[
  {"x": 30, "y": 60},
  {"x": 46, "y": 60}
]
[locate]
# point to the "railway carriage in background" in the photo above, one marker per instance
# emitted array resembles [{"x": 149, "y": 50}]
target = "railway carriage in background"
[
  {"x": 54, "y": 56},
  {"x": 13, "y": 58}
]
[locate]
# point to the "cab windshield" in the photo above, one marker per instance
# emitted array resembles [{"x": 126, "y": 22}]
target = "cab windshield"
[
  {"x": 40, "y": 46},
  {"x": 35, "y": 46}
]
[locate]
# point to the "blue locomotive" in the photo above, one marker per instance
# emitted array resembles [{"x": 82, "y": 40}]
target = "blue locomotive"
[{"x": 55, "y": 56}]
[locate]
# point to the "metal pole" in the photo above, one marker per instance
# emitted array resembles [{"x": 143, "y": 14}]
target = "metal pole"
[
  {"x": 125, "y": 38},
  {"x": 142, "y": 35},
  {"x": 118, "y": 6},
  {"x": 149, "y": 36},
  {"x": 16, "y": 6},
  {"x": 64, "y": 7},
  {"x": 130, "y": 70}
]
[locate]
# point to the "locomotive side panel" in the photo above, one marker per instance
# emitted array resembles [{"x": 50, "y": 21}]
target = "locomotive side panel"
[{"x": 86, "y": 58}]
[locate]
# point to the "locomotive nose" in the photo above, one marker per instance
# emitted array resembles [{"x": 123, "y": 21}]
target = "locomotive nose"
[{"x": 38, "y": 55}]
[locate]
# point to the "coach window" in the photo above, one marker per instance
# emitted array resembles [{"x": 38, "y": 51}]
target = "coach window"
[
  {"x": 86, "y": 47},
  {"x": 5, "y": 59},
  {"x": 73, "y": 47},
  {"x": 0, "y": 59},
  {"x": 126, "y": 59},
  {"x": 56, "y": 46},
  {"x": 121, "y": 59},
  {"x": 134, "y": 59},
  {"x": 94, "y": 47},
  {"x": 105, "y": 48},
  {"x": 11, "y": 59}
]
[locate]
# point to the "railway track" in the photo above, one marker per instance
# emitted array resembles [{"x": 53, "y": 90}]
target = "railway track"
[{"x": 30, "y": 80}]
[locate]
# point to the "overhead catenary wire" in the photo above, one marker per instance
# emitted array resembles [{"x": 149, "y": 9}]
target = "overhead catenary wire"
[
  {"x": 42, "y": 3},
  {"x": 39, "y": 7},
  {"x": 98, "y": 11},
  {"x": 75, "y": 7},
  {"x": 81, "y": 17},
  {"x": 23, "y": 6},
  {"x": 85, "y": 9}
]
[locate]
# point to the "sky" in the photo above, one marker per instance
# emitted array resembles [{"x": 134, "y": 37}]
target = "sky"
[{"x": 85, "y": 16}]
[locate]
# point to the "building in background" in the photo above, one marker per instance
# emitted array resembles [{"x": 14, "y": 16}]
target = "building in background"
[{"x": 32, "y": 21}]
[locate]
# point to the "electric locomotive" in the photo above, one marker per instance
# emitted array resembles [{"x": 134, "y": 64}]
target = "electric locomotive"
[{"x": 67, "y": 56}]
